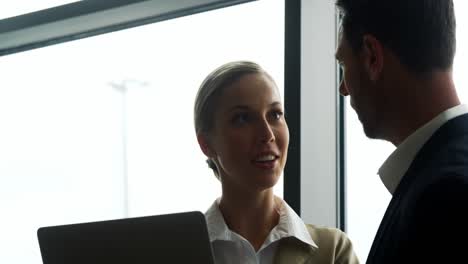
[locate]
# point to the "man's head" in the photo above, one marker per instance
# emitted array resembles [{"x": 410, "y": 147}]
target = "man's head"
[
  {"x": 383, "y": 42},
  {"x": 421, "y": 33}
]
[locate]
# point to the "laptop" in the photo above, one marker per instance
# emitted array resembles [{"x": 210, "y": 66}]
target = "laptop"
[{"x": 170, "y": 238}]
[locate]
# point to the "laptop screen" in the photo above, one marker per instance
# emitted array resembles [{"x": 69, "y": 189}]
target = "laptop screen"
[{"x": 170, "y": 238}]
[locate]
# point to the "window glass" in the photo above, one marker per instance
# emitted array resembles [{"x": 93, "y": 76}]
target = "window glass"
[{"x": 102, "y": 127}]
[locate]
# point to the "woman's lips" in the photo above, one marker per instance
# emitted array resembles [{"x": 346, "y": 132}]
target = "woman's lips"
[
  {"x": 267, "y": 159},
  {"x": 265, "y": 164}
]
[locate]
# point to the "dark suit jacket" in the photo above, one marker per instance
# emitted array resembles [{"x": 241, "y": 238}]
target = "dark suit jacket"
[{"x": 427, "y": 218}]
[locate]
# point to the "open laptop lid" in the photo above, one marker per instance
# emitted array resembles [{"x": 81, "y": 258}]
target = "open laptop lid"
[{"x": 171, "y": 238}]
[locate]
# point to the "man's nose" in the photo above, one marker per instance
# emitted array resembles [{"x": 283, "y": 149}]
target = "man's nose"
[{"x": 343, "y": 89}]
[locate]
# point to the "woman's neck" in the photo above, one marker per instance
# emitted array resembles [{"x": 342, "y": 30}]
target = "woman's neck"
[{"x": 251, "y": 216}]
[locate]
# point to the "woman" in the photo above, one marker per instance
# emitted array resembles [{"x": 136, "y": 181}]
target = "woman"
[{"x": 241, "y": 128}]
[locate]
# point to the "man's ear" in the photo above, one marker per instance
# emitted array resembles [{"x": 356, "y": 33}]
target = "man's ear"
[
  {"x": 373, "y": 55},
  {"x": 204, "y": 146}
]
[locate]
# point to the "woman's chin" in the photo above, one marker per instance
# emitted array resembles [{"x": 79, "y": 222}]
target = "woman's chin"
[{"x": 267, "y": 182}]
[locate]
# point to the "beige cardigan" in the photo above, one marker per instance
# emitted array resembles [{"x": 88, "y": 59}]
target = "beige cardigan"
[{"x": 333, "y": 247}]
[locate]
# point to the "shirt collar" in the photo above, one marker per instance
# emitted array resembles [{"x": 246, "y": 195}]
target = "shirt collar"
[
  {"x": 289, "y": 225},
  {"x": 396, "y": 165}
]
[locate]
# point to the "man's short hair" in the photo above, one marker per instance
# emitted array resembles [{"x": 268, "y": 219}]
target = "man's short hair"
[{"x": 421, "y": 33}]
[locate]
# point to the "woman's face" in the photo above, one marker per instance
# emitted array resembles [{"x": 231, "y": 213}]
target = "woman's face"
[{"x": 250, "y": 137}]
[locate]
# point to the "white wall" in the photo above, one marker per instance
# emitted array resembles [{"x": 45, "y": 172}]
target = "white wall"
[{"x": 318, "y": 113}]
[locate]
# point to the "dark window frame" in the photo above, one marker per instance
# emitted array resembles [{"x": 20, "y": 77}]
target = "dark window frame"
[{"x": 292, "y": 101}]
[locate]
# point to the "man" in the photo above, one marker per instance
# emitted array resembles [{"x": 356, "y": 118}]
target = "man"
[{"x": 397, "y": 58}]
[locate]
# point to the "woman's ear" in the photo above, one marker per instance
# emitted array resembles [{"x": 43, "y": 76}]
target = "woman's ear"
[
  {"x": 373, "y": 56},
  {"x": 204, "y": 146}
]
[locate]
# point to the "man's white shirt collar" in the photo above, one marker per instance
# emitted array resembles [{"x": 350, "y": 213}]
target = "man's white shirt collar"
[
  {"x": 396, "y": 165},
  {"x": 289, "y": 225}
]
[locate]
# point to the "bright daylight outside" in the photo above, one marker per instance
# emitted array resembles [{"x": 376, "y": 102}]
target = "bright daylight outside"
[
  {"x": 102, "y": 128},
  {"x": 367, "y": 198}
]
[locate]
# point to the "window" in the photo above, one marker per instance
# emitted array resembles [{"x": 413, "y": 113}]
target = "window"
[
  {"x": 102, "y": 127},
  {"x": 19, "y": 7},
  {"x": 367, "y": 197}
]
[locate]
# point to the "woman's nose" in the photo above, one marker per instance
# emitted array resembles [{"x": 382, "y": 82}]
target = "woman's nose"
[{"x": 266, "y": 132}]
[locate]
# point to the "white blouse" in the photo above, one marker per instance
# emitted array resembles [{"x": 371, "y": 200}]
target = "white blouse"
[{"x": 229, "y": 247}]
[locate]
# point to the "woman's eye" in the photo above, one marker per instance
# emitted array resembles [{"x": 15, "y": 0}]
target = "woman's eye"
[
  {"x": 240, "y": 118},
  {"x": 277, "y": 115}
]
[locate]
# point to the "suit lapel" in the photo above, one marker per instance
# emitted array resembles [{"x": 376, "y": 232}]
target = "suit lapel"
[{"x": 381, "y": 233}]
